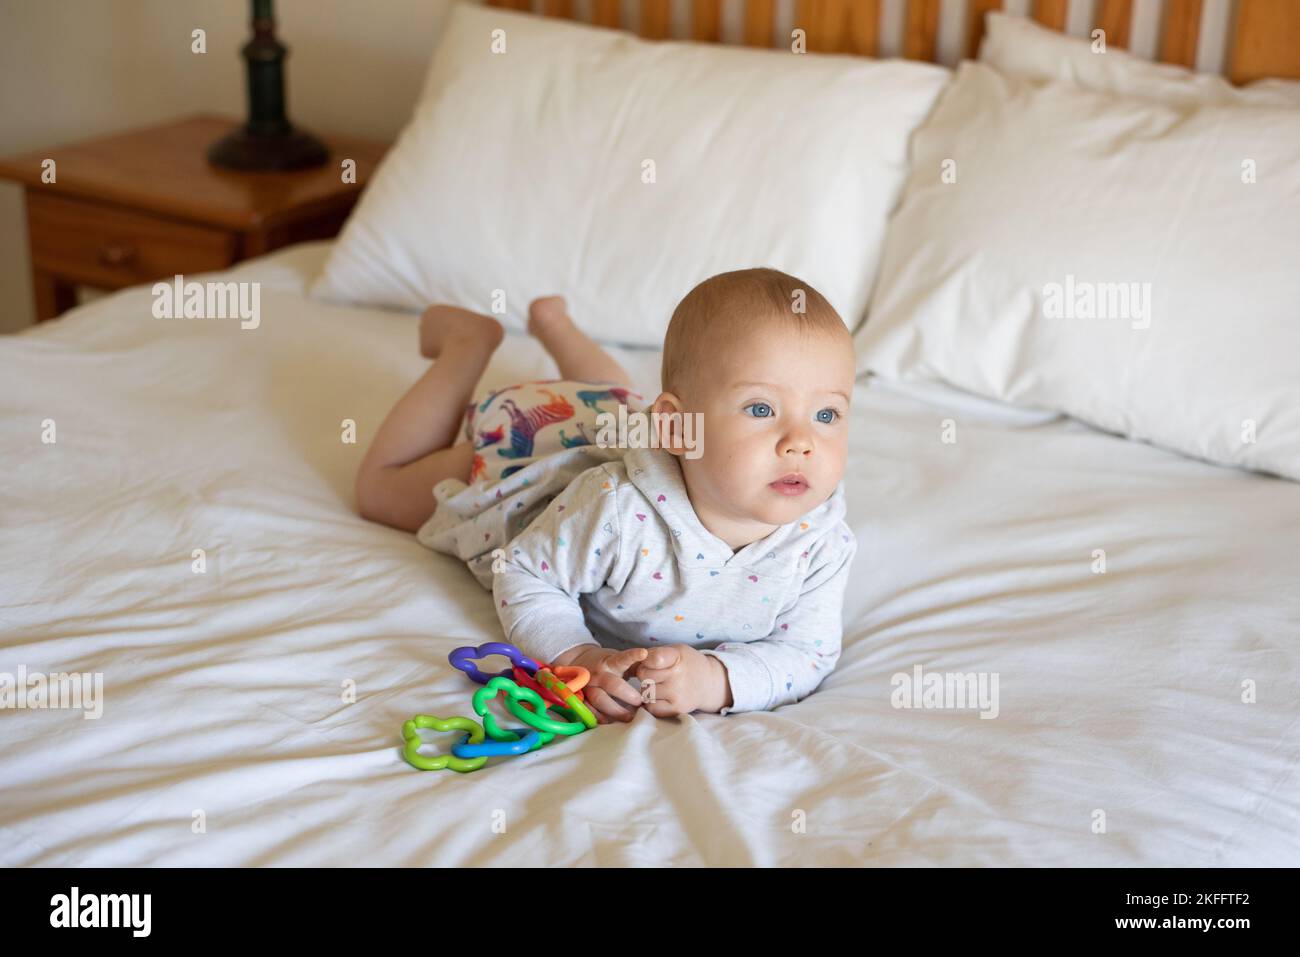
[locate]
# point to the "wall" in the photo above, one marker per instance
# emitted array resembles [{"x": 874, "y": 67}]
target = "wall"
[{"x": 74, "y": 69}]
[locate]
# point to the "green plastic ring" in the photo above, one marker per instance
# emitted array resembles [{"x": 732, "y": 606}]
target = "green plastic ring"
[
  {"x": 483, "y": 697},
  {"x": 583, "y": 713},
  {"x": 411, "y": 751},
  {"x": 515, "y": 696},
  {"x": 544, "y": 737}
]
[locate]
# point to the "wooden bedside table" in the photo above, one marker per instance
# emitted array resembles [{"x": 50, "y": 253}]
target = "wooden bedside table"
[{"x": 145, "y": 205}]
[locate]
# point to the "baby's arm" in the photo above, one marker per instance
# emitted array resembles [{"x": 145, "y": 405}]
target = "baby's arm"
[
  {"x": 567, "y": 551},
  {"x": 804, "y": 645}
]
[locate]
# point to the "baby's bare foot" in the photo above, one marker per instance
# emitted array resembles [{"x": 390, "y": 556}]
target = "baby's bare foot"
[
  {"x": 441, "y": 326},
  {"x": 545, "y": 313}
]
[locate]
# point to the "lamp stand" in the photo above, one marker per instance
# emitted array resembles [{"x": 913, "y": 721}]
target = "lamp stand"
[{"x": 267, "y": 141}]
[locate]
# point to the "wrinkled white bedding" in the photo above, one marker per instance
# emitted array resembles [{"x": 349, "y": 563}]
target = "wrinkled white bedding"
[{"x": 1120, "y": 694}]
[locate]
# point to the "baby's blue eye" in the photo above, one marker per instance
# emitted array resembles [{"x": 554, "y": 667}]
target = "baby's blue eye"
[
  {"x": 833, "y": 413},
  {"x": 759, "y": 405}
]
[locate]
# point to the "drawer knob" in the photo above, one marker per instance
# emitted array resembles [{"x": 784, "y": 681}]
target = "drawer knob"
[{"x": 116, "y": 254}]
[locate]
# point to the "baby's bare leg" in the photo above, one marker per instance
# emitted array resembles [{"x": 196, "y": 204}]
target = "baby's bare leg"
[
  {"x": 415, "y": 447},
  {"x": 573, "y": 351}
]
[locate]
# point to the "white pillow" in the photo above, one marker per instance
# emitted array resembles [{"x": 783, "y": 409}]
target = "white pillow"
[
  {"x": 1021, "y": 47},
  {"x": 1058, "y": 188},
  {"x": 523, "y": 172}
]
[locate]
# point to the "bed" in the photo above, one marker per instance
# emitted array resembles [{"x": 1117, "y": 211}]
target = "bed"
[
  {"x": 177, "y": 516},
  {"x": 224, "y": 691}
]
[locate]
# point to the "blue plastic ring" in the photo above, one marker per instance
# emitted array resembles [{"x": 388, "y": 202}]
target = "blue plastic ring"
[{"x": 491, "y": 749}]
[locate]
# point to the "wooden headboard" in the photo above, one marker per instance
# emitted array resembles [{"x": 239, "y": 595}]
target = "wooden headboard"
[{"x": 1263, "y": 35}]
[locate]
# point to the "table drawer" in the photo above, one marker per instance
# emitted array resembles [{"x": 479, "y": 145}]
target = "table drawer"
[{"x": 110, "y": 247}]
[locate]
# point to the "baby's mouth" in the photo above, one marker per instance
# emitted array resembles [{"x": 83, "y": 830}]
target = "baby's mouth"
[{"x": 792, "y": 483}]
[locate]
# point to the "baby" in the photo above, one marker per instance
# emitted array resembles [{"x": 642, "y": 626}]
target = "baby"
[{"x": 710, "y": 565}]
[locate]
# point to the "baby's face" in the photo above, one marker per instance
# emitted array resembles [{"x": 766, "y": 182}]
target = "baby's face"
[{"x": 776, "y": 407}]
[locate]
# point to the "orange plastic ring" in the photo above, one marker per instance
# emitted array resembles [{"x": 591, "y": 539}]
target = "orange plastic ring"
[{"x": 524, "y": 679}]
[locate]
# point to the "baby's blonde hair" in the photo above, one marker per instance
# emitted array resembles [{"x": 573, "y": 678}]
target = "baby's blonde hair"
[{"x": 720, "y": 308}]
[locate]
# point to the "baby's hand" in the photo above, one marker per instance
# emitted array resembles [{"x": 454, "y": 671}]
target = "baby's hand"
[
  {"x": 607, "y": 694},
  {"x": 685, "y": 680}
]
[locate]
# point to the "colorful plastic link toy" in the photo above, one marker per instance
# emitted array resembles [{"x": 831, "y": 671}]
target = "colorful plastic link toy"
[
  {"x": 576, "y": 678},
  {"x": 533, "y": 691}
]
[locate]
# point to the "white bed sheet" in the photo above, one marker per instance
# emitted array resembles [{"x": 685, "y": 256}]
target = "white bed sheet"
[{"x": 1119, "y": 692}]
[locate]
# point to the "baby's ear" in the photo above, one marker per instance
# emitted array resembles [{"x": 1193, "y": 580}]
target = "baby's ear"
[
  {"x": 666, "y": 420},
  {"x": 666, "y": 402}
]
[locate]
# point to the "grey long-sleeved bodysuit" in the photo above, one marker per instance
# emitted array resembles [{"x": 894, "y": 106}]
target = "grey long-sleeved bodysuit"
[{"x": 620, "y": 558}]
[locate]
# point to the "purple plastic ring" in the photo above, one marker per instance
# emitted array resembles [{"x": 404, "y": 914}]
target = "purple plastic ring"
[{"x": 462, "y": 659}]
